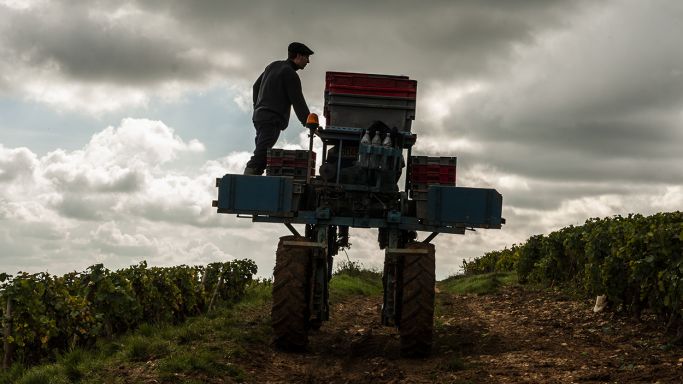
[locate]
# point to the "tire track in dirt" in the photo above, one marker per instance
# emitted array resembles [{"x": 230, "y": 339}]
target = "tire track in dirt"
[{"x": 514, "y": 336}]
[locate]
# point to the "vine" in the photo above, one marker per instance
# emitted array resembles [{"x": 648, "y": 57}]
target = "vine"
[
  {"x": 637, "y": 261},
  {"x": 51, "y": 314}
]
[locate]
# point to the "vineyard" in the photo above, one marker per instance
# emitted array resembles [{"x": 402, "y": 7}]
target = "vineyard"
[
  {"x": 637, "y": 261},
  {"x": 44, "y": 315}
]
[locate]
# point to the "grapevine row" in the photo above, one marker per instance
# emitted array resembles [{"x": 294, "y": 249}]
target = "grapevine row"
[
  {"x": 637, "y": 261},
  {"x": 49, "y": 314}
]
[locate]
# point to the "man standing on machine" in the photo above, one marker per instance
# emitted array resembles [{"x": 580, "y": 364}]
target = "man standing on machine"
[{"x": 275, "y": 92}]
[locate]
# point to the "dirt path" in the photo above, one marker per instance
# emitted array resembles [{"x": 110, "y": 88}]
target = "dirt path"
[{"x": 517, "y": 336}]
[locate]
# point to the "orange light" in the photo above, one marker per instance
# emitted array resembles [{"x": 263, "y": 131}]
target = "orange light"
[{"x": 312, "y": 120}]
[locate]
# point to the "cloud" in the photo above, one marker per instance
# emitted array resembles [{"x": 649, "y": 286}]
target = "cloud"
[
  {"x": 118, "y": 204},
  {"x": 109, "y": 238},
  {"x": 99, "y": 57},
  {"x": 570, "y": 109},
  {"x": 117, "y": 159},
  {"x": 583, "y": 116},
  {"x": 118, "y": 200},
  {"x": 122, "y": 198},
  {"x": 103, "y": 56},
  {"x": 15, "y": 163}
]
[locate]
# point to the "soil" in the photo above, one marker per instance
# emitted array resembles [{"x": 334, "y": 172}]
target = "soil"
[{"x": 515, "y": 336}]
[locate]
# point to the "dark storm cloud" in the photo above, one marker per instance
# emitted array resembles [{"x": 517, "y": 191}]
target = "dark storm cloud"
[
  {"x": 604, "y": 103},
  {"x": 549, "y": 195},
  {"x": 143, "y": 42},
  {"x": 571, "y": 109},
  {"x": 85, "y": 46},
  {"x": 453, "y": 38}
]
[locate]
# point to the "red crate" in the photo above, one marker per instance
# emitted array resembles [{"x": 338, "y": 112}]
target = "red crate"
[
  {"x": 432, "y": 174},
  {"x": 433, "y": 168},
  {"x": 297, "y": 173},
  {"x": 433, "y": 160},
  {"x": 434, "y": 179},
  {"x": 283, "y": 162},
  {"x": 297, "y": 158},
  {"x": 370, "y": 85}
]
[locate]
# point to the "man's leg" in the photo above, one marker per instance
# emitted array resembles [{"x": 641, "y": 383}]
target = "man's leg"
[{"x": 267, "y": 133}]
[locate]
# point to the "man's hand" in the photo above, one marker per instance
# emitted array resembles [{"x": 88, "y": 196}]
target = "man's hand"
[{"x": 312, "y": 121}]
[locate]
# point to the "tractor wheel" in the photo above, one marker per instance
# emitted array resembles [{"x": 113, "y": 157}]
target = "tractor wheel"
[
  {"x": 291, "y": 291},
  {"x": 417, "y": 301}
]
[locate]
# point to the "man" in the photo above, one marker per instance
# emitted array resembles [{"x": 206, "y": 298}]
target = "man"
[{"x": 275, "y": 92}]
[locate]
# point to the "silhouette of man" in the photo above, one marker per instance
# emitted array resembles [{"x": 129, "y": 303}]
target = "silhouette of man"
[{"x": 275, "y": 92}]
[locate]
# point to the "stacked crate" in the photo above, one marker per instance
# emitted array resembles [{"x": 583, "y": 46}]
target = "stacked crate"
[
  {"x": 357, "y": 100},
  {"x": 426, "y": 171},
  {"x": 289, "y": 162}
]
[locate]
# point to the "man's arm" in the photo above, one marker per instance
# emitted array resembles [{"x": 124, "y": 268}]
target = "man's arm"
[
  {"x": 255, "y": 90},
  {"x": 296, "y": 96}
]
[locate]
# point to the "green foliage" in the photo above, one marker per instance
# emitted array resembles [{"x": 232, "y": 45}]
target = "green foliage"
[
  {"x": 478, "y": 284},
  {"x": 58, "y": 313},
  {"x": 636, "y": 260},
  {"x": 48, "y": 374},
  {"x": 352, "y": 279},
  {"x": 142, "y": 348},
  {"x": 342, "y": 286},
  {"x": 505, "y": 260},
  {"x": 356, "y": 269},
  {"x": 529, "y": 255},
  {"x": 201, "y": 349},
  {"x": 197, "y": 363},
  {"x": 73, "y": 364}
]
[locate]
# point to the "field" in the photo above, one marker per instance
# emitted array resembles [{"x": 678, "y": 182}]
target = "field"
[{"x": 489, "y": 329}]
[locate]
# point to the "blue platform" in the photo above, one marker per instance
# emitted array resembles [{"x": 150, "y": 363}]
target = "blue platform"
[
  {"x": 261, "y": 195},
  {"x": 450, "y": 209},
  {"x": 475, "y": 207}
]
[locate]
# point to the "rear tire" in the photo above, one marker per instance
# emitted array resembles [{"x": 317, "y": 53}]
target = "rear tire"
[
  {"x": 417, "y": 301},
  {"x": 291, "y": 291}
]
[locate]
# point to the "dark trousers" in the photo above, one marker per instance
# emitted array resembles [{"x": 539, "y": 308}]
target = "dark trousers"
[{"x": 267, "y": 133}]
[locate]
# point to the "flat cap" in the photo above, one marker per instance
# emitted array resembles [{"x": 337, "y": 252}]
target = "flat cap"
[{"x": 299, "y": 48}]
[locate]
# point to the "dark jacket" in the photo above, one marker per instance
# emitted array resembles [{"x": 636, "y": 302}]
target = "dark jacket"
[{"x": 276, "y": 91}]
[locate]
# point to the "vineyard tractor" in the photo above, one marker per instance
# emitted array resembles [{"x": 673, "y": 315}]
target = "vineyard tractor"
[{"x": 366, "y": 147}]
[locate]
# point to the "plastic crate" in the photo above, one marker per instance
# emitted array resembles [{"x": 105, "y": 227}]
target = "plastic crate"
[
  {"x": 370, "y": 85},
  {"x": 421, "y": 204},
  {"x": 434, "y": 179},
  {"x": 440, "y": 175},
  {"x": 298, "y": 173},
  {"x": 353, "y": 111},
  {"x": 433, "y": 160},
  {"x": 284, "y": 162},
  {"x": 356, "y": 100},
  {"x": 289, "y": 157},
  {"x": 426, "y": 170}
]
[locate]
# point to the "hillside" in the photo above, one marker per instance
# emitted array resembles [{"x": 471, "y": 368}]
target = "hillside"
[{"x": 505, "y": 334}]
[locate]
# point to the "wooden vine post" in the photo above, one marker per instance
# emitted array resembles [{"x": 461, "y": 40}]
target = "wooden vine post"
[
  {"x": 215, "y": 291},
  {"x": 7, "y": 332}
]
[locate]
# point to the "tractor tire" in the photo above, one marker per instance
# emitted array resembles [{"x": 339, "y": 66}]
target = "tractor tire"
[
  {"x": 291, "y": 292},
  {"x": 417, "y": 301}
]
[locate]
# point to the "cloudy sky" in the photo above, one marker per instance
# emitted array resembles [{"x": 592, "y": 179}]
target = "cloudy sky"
[{"x": 117, "y": 116}]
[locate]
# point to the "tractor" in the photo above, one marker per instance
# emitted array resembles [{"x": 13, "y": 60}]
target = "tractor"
[{"x": 366, "y": 157}]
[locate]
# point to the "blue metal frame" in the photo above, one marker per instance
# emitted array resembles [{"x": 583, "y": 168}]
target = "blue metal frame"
[
  {"x": 255, "y": 194},
  {"x": 269, "y": 199}
]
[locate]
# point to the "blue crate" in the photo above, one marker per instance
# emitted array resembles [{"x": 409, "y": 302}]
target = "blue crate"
[
  {"x": 471, "y": 207},
  {"x": 255, "y": 194}
]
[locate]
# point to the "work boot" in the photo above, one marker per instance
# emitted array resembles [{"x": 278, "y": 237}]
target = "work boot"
[{"x": 251, "y": 171}]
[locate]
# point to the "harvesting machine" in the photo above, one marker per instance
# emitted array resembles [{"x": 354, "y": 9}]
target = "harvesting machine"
[{"x": 366, "y": 148}]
